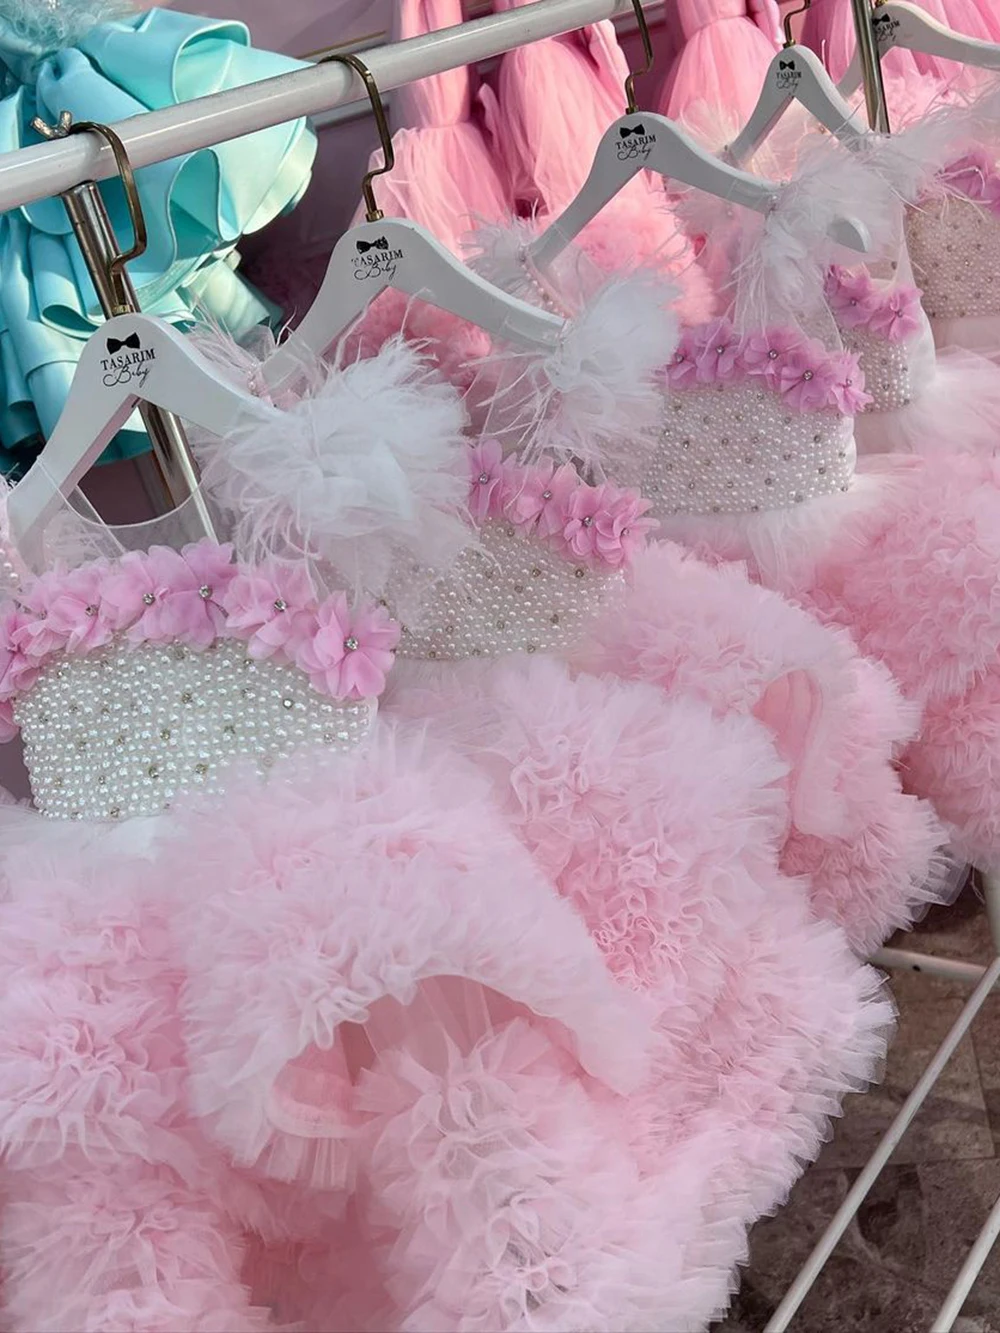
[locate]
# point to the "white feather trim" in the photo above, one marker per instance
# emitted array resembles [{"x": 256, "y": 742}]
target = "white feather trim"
[{"x": 369, "y": 464}]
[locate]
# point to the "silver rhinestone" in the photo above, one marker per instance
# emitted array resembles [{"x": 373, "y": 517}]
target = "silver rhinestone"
[
  {"x": 187, "y": 697},
  {"x": 288, "y": 703},
  {"x": 205, "y": 592},
  {"x": 807, "y": 374},
  {"x": 580, "y": 573},
  {"x": 546, "y": 495},
  {"x": 351, "y": 644},
  {"x": 153, "y": 770},
  {"x": 483, "y": 478},
  {"x": 772, "y": 354},
  {"x": 588, "y": 522},
  {"x": 201, "y": 769},
  {"x": 280, "y": 604},
  {"x": 90, "y": 610},
  {"x": 148, "y": 598}
]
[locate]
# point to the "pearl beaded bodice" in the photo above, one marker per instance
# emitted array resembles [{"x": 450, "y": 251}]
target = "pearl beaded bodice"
[
  {"x": 509, "y": 593},
  {"x": 737, "y": 449},
  {"x": 125, "y": 731},
  {"x": 954, "y": 245}
]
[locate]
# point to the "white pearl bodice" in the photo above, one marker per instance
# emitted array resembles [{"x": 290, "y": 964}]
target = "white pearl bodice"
[
  {"x": 737, "y": 449},
  {"x": 124, "y": 731},
  {"x": 509, "y": 593},
  {"x": 954, "y": 246}
]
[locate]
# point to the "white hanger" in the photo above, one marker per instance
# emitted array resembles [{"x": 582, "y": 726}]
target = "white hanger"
[
  {"x": 899, "y": 24},
  {"x": 647, "y": 141},
  {"x": 130, "y": 359},
  {"x": 796, "y": 74},
  {"x": 395, "y": 252}
]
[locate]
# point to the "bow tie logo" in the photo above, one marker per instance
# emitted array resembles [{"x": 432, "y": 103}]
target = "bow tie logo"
[
  {"x": 131, "y": 341},
  {"x": 786, "y": 64},
  {"x": 365, "y": 246},
  {"x": 638, "y": 130}
]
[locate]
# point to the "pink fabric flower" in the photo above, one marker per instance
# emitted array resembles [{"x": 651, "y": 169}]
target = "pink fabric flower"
[
  {"x": 556, "y": 496},
  {"x": 806, "y": 378},
  {"x": 620, "y": 526},
  {"x": 847, "y": 391},
  {"x": 765, "y": 353},
  {"x": 351, "y": 651},
  {"x": 17, "y": 671},
  {"x": 176, "y": 595},
  {"x": 76, "y": 612},
  {"x": 485, "y": 478},
  {"x": 36, "y": 637},
  {"x": 273, "y": 608},
  {"x": 897, "y": 315},
  {"x": 719, "y": 359},
  {"x": 682, "y": 368},
  {"x": 580, "y": 528},
  {"x": 853, "y": 297}
]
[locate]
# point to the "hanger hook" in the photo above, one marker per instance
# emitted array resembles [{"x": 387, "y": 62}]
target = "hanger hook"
[
  {"x": 648, "y": 57},
  {"x": 786, "y": 22},
  {"x": 372, "y": 210},
  {"x": 116, "y": 262}
]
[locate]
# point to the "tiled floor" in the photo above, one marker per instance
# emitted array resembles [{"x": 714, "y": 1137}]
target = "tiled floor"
[{"x": 899, "y": 1257}]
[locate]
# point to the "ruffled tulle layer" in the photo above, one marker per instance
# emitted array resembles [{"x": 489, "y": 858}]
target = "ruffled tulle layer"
[
  {"x": 870, "y": 851},
  {"x": 907, "y": 562},
  {"x": 407, "y": 1042}
]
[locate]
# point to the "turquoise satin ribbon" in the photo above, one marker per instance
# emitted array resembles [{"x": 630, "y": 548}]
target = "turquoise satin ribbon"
[{"x": 197, "y": 207}]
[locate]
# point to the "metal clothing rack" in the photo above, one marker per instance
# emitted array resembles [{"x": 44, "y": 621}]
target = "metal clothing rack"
[{"x": 61, "y": 166}]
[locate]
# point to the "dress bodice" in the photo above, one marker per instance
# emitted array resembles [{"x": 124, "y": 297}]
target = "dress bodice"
[
  {"x": 751, "y": 423},
  {"x": 137, "y": 679},
  {"x": 547, "y": 552}
]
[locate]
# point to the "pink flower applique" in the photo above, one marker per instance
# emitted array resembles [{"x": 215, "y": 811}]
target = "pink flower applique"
[
  {"x": 621, "y": 527},
  {"x": 897, "y": 315},
  {"x": 852, "y": 297},
  {"x": 719, "y": 358},
  {"x": 584, "y": 513},
  {"x": 17, "y": 672},
  {"x": 135, "y": 590},
  {"x": 764, "y": 353},
  {"x": 682, "y": 368},
  {"x": 273, "y": 608},
  {"x": 351, "y": 651},
  {"x": 192, "y": 609},
  {"x": 76, "y": 611},
  {"x": 485, "y": 479},
  {"x": 806, "y": 378},
  {"x": 555, "y": 497},
  {"x": 35, "y": 636},
  {"x": 847, "y": 391}
]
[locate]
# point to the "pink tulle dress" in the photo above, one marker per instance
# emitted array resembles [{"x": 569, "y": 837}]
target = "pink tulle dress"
[
  {"x": 303, "y": 1014},
  {"x": 757, "y": 464},
  {"x": 554, "y": 100},
  {"x": 728, "y": 45},
  {"x": 828, "y": 27}
]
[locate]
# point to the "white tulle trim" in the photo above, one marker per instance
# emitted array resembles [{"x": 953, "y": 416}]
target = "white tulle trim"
[{"x": 956, "y": 408}]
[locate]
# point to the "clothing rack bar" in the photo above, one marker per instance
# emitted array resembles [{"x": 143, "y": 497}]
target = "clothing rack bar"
[{"x": 49, "y": 169}]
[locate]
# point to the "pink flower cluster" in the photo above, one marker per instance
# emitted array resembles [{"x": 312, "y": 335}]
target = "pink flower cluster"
[
  {"x": 858, "y": 302},
  {"x": 193, "y": 597},
  {"x": 594, "y": 524},
  {"x": 975, "y": 176},
  {"x": 800, "y": 369}
]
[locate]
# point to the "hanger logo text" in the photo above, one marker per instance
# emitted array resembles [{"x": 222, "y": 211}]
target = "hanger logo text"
[
  {"x": 127, "y": 361},
  {"x": 884, "y": 27},
  {"x": 375, "y": 259},
  {"x": 787, "y": 75},
  {"x": 634, "y": 142}
]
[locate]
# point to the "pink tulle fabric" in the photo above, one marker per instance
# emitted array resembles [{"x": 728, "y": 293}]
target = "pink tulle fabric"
[
  {"x": 554, "y": 101},
  {"x": 828, "y": 27},
  {"x": 724, "y": 59}
]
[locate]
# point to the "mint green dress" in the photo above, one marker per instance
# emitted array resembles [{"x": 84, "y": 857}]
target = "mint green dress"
[{"x": 57, "y": 55}]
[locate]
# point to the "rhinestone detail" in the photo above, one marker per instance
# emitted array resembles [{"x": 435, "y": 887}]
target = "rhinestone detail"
[
  {"x": 954, "y": 247},
  {"x": 508, "y": 594},
  {"x": 149, "y": 725}
]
